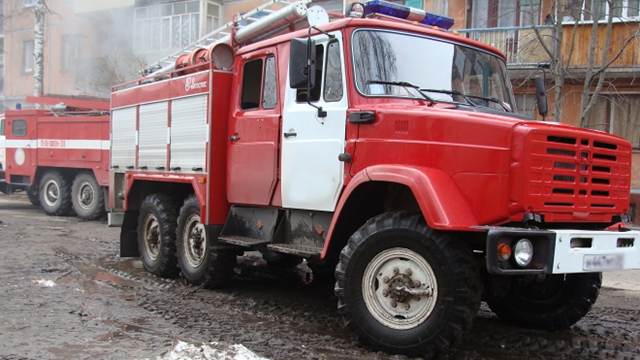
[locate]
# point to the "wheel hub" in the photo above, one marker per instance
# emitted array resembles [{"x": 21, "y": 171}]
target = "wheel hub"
[
  {"x": 399, "y": 288},
  {"x": 85, "y": 195},
  {"x": 152, "y": 237},
  {"x": 51, "y": 192},
  {"x": 195, "y": 241}
]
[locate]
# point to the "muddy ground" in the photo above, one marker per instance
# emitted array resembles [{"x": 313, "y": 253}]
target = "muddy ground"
[{"x": 64, "y": 293}]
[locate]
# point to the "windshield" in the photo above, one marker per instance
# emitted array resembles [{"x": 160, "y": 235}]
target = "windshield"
[{"x": 385, "y": 61}]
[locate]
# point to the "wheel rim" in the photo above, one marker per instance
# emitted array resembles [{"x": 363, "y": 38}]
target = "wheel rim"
[
  {"x": 399, "y": 288},
  {"x": 51, "y": 192},
  {"x": 194, "y": 241},
  {"x": 152, "y": 236},
  {"x": 86, "y": 196}
]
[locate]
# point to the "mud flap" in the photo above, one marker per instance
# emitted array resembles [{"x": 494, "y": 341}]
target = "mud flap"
[{"x": 129, "y": 235}]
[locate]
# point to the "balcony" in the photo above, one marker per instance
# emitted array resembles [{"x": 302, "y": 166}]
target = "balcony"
[{"x": 520, "y": 45}]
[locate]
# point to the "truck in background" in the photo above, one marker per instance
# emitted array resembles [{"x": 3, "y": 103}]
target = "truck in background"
[{"x": 59, "y": 155}]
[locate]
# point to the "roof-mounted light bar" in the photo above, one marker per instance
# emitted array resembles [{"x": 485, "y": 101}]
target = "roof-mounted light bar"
[{"x": 408, "y": 13}]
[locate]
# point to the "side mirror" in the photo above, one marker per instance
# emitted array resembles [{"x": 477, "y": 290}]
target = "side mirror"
[
  {"x": 541, "y": 97},
  {"x": 302, "y": 64}
]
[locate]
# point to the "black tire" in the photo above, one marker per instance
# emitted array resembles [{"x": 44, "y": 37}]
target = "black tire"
[
  {"x": 157, "y": 235},
  {"x": 207, "y": 264},
  {"x": 54, "y": 194},
  {"x": 87, "y": 197},
  {"x": 554, "y": 302},
  {"x": 459, "y": 285},
  {"x": 32, "y": 194}
]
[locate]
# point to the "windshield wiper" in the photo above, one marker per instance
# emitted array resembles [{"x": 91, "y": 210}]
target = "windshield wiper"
[
  {"x": 467, "y": 96},
  {"x": 406, "y": 85}
]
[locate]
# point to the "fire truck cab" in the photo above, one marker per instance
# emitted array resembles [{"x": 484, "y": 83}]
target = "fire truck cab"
[
  {"x": 58, "y": 155},
  {"x": 383, "y": 149}
]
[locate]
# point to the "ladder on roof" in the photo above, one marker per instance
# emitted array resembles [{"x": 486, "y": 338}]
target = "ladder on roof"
[{"x": 218, "y": 34}]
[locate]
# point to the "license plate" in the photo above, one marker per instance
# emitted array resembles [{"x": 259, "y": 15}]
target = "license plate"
[{"x": 603, "y": 262}]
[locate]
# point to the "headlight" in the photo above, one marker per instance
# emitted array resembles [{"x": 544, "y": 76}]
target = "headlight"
[{"x": 523, "y": 252}]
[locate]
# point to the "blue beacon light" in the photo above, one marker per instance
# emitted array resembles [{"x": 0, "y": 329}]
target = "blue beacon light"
[{"x": 407, "y": 13}]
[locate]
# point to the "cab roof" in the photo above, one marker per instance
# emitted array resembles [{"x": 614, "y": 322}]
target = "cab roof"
[{"x": 379, "y": 23}]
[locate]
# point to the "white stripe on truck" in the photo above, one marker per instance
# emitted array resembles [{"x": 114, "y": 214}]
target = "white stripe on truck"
[{"x": 59, "y": 144}]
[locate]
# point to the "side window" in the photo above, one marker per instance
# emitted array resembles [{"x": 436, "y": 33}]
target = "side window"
[
  {"x": 2, "y": 127},
  {"x": 19, "y": 128},
  {"x": 301, "y": 94},
  {"x": 251, "y": 81},
  {"x": 333, "y": 75},
  {"x": 269, "y": 88}
]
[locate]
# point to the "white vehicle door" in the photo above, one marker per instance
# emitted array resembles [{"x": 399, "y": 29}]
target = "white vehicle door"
[
  {"x": 311, "y": 174},
  {"x": 3, "y": 144}
]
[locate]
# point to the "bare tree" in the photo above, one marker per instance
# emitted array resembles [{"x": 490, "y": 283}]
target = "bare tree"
[
  {"x": 561, "y": 64},
  {"x": 40, "y": 10}
]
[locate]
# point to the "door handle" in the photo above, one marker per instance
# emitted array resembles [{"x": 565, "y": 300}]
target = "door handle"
[
  {"x": 291, "y": 133},
  {"x": 234, "y": 137}
]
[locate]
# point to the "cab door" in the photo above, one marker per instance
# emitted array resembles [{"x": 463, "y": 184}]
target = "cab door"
[
  {"x": 312, "y": 175},
  {"x": 21, "y": 147},
  {"x": 254, "y": 132}
]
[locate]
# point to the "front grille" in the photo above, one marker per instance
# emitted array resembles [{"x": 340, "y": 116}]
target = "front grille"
[{"x": 577, "y": 172}]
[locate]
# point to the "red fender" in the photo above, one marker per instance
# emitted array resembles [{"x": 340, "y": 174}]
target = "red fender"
[
  {"x": 198, "y": 183},
  {"x": 441, "y": 203}
]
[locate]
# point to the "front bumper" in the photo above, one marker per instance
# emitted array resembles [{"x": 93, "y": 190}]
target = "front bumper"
[{"x": 567, "y": 251}]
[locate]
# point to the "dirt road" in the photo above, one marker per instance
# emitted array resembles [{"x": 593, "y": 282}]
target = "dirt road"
[{"x": 64, "y": 293}]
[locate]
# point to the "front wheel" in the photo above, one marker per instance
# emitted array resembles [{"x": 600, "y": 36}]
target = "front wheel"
[
  {"x": 200, "y": 257},
  {"x": 549, "y": 302},
  {"x": 406, "y": 288}
]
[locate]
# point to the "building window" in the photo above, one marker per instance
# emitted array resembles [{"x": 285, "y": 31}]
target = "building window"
[
  {"x": 27, "y": 56},
  {"x": 418, "y": 4},
  {"x": 581, "y": 10},
  {"x": 166, "y": 26},
  {"x": 527, "y": 104},
  {"x": 213, "y": 16},
  {"x": 440, "y": 7},
  {"x": 619, "y": 115},
  {"x": 70, "y": 51},
  {"x": 504, "y": 13}
]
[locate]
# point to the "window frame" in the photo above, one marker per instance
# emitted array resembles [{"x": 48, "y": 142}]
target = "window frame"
[
  {"x": 271, "y": 57},
  {"x": 260, "y": 82},
  {"x": 616, "y": 19},
  {"x": 13, "y": 127},
  {"x": 325, "y": 72},
  {"x": 24, "y": 68}
]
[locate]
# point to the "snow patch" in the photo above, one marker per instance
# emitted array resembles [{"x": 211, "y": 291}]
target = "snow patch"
[
  {"x": 44, "y": 283},
  {"x": 211, "y": 351}
]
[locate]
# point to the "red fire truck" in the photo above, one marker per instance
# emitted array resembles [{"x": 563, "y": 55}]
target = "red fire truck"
[
  {"x": 380, "y": 147},
  {"x": 59, "y": 155}
]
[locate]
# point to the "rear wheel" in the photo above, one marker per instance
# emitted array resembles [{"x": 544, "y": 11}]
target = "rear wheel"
[
  {"x": 550, "y": 302},
  {"x": 157, "y": 235},
  {"x": 201, "y": 260},
  {"x": 406, "y": 288},
  {"x": 54, "y": 194},
  {"x": 87, "y": 197}
]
